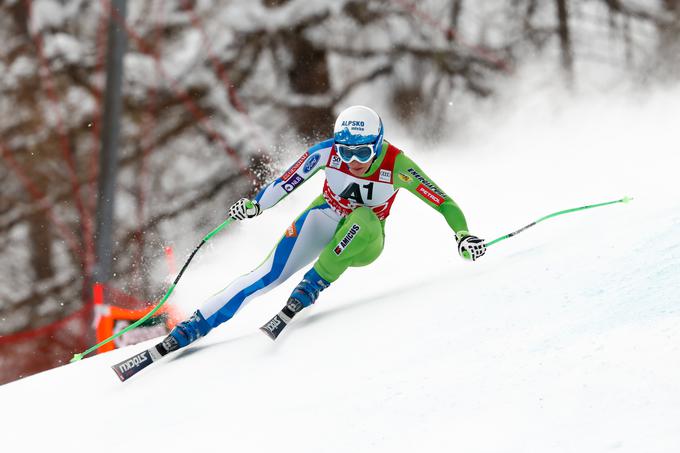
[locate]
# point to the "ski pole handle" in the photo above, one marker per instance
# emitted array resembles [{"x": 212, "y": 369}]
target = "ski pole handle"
[{"x": 555, "y": 214}]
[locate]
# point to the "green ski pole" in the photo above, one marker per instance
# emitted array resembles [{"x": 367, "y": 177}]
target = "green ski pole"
[
  {"x": 224, "y": 224},
  {"x": 555, "y": 214}
]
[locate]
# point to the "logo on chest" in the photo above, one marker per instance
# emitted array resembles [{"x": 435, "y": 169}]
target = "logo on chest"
[{"x": 336, "y": 162}]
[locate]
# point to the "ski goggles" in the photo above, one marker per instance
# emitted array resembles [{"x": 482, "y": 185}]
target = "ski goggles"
[{"x": 360, "y": 153}]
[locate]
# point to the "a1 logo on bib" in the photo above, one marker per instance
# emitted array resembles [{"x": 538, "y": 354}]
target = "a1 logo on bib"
[{"x": 385, "y": 176}]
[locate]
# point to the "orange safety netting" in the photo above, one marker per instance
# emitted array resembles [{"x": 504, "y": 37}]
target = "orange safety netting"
[
  {"x": 121, "y": 311},
  {"x": 25, "y": 353}
]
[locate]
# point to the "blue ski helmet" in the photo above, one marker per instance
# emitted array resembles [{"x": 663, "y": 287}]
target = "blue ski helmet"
[{"x": 359, "y": 125}]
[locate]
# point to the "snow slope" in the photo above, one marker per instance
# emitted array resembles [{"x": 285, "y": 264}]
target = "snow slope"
[{"x": 565, "y": 338}]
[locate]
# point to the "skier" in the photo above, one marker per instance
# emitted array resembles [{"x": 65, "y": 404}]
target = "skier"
[{"x": 343, "y": 227}]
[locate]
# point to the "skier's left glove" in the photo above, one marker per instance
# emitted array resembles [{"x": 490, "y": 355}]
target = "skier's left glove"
[
  {"x": 244, "y": 209},
  {"x": 470, "y": 247}
]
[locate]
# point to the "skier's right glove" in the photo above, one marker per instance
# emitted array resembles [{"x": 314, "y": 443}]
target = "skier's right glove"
[
  {"x": 470, "y": 247},
  {"x": 244, "y": 209}
]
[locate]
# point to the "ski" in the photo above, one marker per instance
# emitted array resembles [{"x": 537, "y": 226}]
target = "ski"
[
  {"x": 275, "y": 326},
  {"x": 133, "y": 365}
]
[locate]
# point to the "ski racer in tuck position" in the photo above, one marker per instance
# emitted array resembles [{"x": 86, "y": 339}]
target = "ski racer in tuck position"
[{"x": 343, "y": 227}]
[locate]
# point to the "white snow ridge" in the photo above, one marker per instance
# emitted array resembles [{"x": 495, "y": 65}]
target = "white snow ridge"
[{"x": 565, "y": 338}]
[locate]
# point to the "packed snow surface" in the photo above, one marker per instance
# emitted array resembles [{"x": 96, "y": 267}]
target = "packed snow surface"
[{"x": 565, "y": 338}]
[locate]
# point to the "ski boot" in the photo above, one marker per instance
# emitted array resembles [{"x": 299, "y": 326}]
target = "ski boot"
[
  {"x": 304, "y": 295},
  {"x": 186, "y": 332}
]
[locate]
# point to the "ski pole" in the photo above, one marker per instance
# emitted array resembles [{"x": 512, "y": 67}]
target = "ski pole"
[
  {"x": 555, "y": 214},
  {"x": 224, "y": 224}
]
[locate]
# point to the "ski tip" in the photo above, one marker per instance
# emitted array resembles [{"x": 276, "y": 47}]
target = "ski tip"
[
  {"x": 76, "y": 357},
  {"x": 118, "y": 373},
  {"x": 627, "y": 199},
  {"x": 269, "y": 333},
  {"x": 129, "y": 367},
  {"x": 275, "y": 326}
]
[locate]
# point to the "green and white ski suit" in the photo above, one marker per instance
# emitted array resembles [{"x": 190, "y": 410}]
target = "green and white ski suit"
[{"x": 343, "y": 227}]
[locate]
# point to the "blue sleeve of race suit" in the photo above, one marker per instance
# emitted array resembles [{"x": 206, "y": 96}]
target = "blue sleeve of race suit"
[{"x": 304, "y": 168}]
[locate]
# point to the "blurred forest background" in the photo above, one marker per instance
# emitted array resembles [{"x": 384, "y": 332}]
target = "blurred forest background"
[{"x": 218, "y": 93}]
